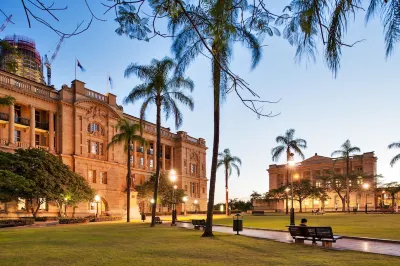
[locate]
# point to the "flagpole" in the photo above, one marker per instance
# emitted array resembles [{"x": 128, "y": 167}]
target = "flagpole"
[
  {"x": 75, "y": 67},
  {"x": 108, "y": 80}
]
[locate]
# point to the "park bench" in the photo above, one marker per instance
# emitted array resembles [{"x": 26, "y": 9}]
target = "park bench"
[
  {"x": 157, "y": 220},
  {"x": 199, "y": 223},
  {"x": 257, "y": 213},
  {"x": 318, "y": 212},
  {"x": 313, "y": 233}
]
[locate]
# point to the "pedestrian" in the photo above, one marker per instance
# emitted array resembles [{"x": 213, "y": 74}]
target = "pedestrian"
[{"x": 303, "y": 222}]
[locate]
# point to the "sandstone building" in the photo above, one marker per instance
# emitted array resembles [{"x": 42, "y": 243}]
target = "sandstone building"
[
  {"x": 316, "y": 166},
  {"x": 77, "y": 123}
]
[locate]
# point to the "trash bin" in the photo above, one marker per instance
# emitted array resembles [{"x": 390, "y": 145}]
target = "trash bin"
[
  {"x": 143, "y": 217},
  {"x": 354, "y": 209},
  {"x": 238, "y": 223}
]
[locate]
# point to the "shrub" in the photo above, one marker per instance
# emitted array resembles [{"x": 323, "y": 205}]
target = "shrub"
[
  {"x": 73, "y": 220},
  {"x": 16, "y": 222},
  {"x": 46, "y": 218},
  {"x": 105, "y": 219}
]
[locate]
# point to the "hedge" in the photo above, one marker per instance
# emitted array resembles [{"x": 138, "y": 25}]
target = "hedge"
[
  {"x": 73, "y": 220},
  {"x": 16, "y": 222},
  {"x": 46, "y": 218},
  {"x": 105, "y": 219}
]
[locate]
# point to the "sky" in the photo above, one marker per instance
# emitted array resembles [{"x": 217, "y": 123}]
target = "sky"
[{"x": 360, "y": 104}]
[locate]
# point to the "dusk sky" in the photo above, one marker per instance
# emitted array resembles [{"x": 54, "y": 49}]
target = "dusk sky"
[{"x": 361, "y": 104}]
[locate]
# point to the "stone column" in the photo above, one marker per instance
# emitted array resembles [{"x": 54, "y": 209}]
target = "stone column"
[
  {"x": 11, "y": 128},
  {"x": 135, "y": 164},
  {"x": 32, "y": 125},
  {"x": 172, "y": 158},
  {"x": 51, "y": 131},
  {"x": 163, "y": 156}
]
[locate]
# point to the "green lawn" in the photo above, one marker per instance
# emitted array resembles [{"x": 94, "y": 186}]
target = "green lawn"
[
  {"x": 364, "y": 225},
  {"x": 138, "y": 244}
]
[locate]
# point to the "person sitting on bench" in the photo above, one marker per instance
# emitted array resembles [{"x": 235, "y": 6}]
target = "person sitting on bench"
[{"x": 303, "y": 222}]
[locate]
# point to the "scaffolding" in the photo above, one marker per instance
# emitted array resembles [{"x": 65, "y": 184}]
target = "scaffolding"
[{"x": 28, "y": 59}]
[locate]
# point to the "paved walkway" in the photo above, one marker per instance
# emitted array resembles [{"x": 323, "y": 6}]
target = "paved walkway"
[{"x": 342, "y": 244}]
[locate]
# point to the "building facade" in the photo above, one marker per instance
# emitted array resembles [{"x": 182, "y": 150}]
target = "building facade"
[
  {"x": 77, "y": 123},
  {"x": 315, "y": 167}
]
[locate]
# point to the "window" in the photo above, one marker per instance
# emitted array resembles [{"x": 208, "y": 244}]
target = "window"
[
  {"x": 37, "y": 116},
  {"x": 101, "y": 148},
  {"x": 185, "y": 162},
  {"x": 318, "y": 184},
  {"x": 103, "y": 177},
  {"x": 37, "y": 140},
  {"x": 21, "y": 204},
  {"x": 141, "y": 161},
  {"x": 17, "y": 112},
  {"x": 94, "y": 147},
  {"x": 192, "y": 168},
  {"x": 151, "y": 163},
  {"x": 185, "y": 187},
  {"x": 360, "y": 181},
  {"x": 43, "y": 204},
  {"x": 92, "y": 176},
  {"x": 92, "y": 206},
  {"x": 359, "y": 169},
  {"x": 17, "y": 135},
  {"x": 328, "y": 184},
  {"x": 193, "y": 187},
  {"x": 3, "y": 206},
  {"x": 349, "y": 183},
  {"x": 131, "y": 159},
  {"x": 337, "y": 182}
]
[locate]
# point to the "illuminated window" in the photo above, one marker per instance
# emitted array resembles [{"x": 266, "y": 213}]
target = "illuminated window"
[
  {"x": 3, "y": 207},
  {"x": 43, "y": 204},
  {"x": 360, "y": 181},
  {"x": 151, "y": 163},
  {"x": 17, "y": 135},
  {"x": 94, "y": 147},
  {"x": 192, "y": 168},
  {"x": 95, "y": 128},
  {"x": 318, "y": 184},
  {"x": 141, "y": 161},
  {"x": 131, "y": 159},
  {"x": 92, "y": 176},
  {"x": 21, "y": 204},
  {"x": 37, "y": 140},
  {"x": 103, "y": 177}
]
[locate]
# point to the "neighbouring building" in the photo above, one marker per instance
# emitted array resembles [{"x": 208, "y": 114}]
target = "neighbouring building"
[
  {"x": 317, "y": 166},
  {"x": 77, "y": 123}
]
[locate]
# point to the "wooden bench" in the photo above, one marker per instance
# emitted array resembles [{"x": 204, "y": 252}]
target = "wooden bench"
[
  {"x": 199, "y": 223},
  {"x": 314, "y": 234},
  {"x": 157, "y": 220}
]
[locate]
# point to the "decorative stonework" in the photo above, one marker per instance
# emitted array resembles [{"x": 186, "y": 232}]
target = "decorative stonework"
[{"x": 95, "y": 113}]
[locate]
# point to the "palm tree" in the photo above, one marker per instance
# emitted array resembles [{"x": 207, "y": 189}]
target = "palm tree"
[
  {"x": 219, "y": 25},
  {"x": 345, "y": 154},
  {"x": 288, "y": 144},
  {"x": 163, "y": 91},
  {"x": 397, "y": 157},
  {"x": 127, "y": 136},
  {"x": 228, "y": 161},
  {"x": 7, "y": 100}
]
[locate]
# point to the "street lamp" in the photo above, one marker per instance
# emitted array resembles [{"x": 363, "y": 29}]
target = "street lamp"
[
  {"x": 97, "y": 199},
  {"x": 291, "y": 164},
  {"x": 195, "y": 205},
  {"x": 184, "y": 205},
  {"x": 366, "y": 186},
  {"x": 172, "y": 177}
]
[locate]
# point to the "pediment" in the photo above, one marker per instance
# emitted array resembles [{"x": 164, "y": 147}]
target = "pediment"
[
  {"x": 317, "y": 158},
  {"x": 95, "y": 111}
]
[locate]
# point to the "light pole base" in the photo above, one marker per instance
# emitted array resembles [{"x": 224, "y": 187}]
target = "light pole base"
[{"x": 292, "y": 216}]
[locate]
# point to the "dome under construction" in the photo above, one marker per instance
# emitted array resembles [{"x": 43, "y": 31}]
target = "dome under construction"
[{"x": 29, "y": 63}]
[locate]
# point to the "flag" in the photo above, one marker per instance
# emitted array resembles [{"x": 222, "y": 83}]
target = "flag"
[
  {"x": 80, "y": 66},
  {"x": 111, "y": 81}
]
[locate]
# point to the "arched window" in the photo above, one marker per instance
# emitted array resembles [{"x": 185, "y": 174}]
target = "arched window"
[{"x": 95, "y": 128}]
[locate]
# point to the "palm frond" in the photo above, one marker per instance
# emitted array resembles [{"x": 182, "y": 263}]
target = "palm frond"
[
  {"x": 138, "y": 93},
  {"x": 236, "y": 168},
  {"x": 394, "y": 160},
  {"x": 394, "y": 145},
  {"x": 277, "y": 152}
]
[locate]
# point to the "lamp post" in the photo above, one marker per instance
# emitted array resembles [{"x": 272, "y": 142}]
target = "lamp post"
[
  {"x": 184, "y": 199},
  {"x": 291, "y": 165},
  {"x": 172, "y": 177},
  {"x": 97, "y": 199},
  {"x": 366, "y": 186},
  {"x": 195, "y": 205}
]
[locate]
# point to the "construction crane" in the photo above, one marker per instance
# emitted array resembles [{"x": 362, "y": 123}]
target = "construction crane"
[
  {"x": 48, "y": 62},
  {"x": 5, "y": 23}
]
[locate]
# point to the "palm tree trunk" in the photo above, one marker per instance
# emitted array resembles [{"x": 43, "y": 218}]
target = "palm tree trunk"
[
  {"x": 226, "y": 192},
  {"x": 128, "y": 184},
  {"x": 287, "y": 179},
  {"x": 347, "y": 184},
  {"x": 213, "y": 176},
  {"x": 158, "y": 152}
]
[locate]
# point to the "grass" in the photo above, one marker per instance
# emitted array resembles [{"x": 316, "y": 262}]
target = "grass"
[
  {"x": 363, "y": 225},
  {"x": 138, "y": 244}
]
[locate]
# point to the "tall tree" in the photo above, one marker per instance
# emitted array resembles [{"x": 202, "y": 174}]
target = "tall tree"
[
  {"x": 213, "y": 27},
  {"x": 254, "y": 196},
  {"x": 163, "y": 90},
  {"x": 128, "y": 134},
  {"x": 7, "y": 100},
  {"x": 345, "y": 154},
  {"x": 393, "y": 188},
  {"x": 228, "y": 161},
  {"x": 288, "y": 145},
  {"x": 397, "y": 157}
]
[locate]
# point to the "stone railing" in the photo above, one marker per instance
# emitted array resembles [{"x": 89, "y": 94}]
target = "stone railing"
[
  {"x": 24, "y": 85},
  {"x": 191, "y": 139},
  {"x": 42, "y": 147},
  {"x": 3, "y": 141},
  {"x": 96, "y": 156},
  {"x": 96, "y": 95},
  {"x": 22, "y": 145}
]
